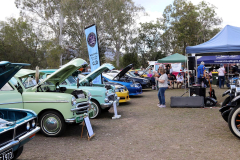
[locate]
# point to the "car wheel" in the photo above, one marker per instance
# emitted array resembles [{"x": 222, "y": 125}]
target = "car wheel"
[
  {"x": 234, "y": 121},
  {"x": 52, "y": 124},
  {"x": 17, "y": 153},
  {"x": 97, "y": 109}
]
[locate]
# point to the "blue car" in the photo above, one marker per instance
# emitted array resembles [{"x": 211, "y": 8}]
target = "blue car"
[
  {"x": 17, "y": 126},
  {"x": 133, "y": 87}
]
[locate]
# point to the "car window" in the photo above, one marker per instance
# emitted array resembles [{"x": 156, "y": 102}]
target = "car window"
[
  {"x": 28, "y": 82},
  {"x": 7, "y": 87}
]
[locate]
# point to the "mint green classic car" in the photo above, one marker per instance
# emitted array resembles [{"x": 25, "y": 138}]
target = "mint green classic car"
[
  {"x": 54, "y": 105},
  {"x": 102, "y": 96}
]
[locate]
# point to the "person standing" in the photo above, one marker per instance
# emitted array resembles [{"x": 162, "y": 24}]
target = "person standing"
[
  {"x": 201, "y": 73},
  {"x": 221, "y": 75},
  {"x": 163, "y": 85},
  {"x": 149, "y": 74}
]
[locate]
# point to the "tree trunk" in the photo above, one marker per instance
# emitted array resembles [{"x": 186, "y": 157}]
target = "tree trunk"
[
  {"x": 184, "y": 47},
  {"x": 117, "y": 54},
  {"x": 61, "y": 19}
]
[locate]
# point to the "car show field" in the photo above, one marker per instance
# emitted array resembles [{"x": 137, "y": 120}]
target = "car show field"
[{"x": 144, "y": 131}]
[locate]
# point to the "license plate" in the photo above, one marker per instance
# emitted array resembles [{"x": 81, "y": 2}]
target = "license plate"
[
  {"x": 78, "y": 120},
  {"x": 7, "y": 155}
]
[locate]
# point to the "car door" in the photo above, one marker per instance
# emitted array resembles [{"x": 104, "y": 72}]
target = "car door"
[{"x": 10, "y": 97}]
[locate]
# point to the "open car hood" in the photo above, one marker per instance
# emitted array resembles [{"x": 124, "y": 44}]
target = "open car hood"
[
  {"x": 64, "y": 72},
  {"x": 8, "y": 70},
  {"x": 90, "y": 77},
  {"x": 125, "y": 70}
]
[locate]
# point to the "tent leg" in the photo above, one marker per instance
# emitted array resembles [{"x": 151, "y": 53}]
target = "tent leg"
[{"x": 196, "y": 69}]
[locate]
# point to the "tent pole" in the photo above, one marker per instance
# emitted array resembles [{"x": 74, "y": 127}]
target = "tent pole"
[
  {"x": 228, "y": 71},
  {"x": 188, "y": 72},
  {"x": 196, "y": 69}
]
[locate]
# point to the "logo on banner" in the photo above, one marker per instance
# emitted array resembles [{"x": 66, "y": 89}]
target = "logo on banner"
[{"x": 91, "y": 39}]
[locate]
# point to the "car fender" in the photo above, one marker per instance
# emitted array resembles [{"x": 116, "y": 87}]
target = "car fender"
[{"x": 226, "y": 92}]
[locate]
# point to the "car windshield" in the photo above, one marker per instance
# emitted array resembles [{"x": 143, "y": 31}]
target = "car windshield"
[{"x": 28, "y": 82}]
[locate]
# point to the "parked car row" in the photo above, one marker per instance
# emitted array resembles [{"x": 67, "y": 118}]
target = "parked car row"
[{"x": 48, "y": 100}]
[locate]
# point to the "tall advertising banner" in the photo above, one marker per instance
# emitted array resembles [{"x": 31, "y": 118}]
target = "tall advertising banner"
[{"x": 92, "y": 44}]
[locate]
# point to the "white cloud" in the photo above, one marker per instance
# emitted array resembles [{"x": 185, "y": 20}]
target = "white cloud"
[
  {"x": 227, "y": 10},
  {"x": 8, "y": 9}
]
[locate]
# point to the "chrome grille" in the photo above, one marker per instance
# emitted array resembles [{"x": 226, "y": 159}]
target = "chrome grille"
[
  {"x": 111, "y": 97},
  {"x": 82, "y": 108}
]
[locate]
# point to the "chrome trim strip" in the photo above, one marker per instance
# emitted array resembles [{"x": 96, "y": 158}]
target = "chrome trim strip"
[
  {"x": 70, "y": 120},
  {"x": 96, "y": 96},
  {"x": 83, "y": 103},
  {"x": 19, "y": 124},
  {"x": 29, "y": 134},
  {"x": 13, "y": 143},
  {"x": 61, "y": 101},
  {"x": 10, "y": 103},
  {"x": 5, "y": 130},
  {"x": 80, "y": 108}
]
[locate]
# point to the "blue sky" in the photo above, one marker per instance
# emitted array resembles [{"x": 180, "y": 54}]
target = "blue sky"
[{"x": 228, "y": 10}]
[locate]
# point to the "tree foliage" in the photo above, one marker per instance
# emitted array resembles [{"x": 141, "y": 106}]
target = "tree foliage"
[
  {"x": 20, "y": 43},
  {"x": 50, "y": 33},
  {"x": 186, "y": 25}
]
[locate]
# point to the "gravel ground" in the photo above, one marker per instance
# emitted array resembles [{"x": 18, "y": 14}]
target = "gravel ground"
[{"x": 145, "y": 131}]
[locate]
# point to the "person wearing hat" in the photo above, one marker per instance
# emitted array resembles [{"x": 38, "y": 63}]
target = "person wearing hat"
[
  {"x": 221, "y": 75},
  {"x": 201, "y": 73}
]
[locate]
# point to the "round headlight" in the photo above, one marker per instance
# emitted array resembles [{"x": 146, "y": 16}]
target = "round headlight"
[
  {"x": 28, "y": 126},
  {"x": 73, "y": 101},
  {"x": 33, "y": 123}
]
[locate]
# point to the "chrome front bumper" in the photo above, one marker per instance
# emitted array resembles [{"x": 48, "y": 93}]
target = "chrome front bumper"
[
  {"x": 21, "y": 139},
  {"x": 109, "y": 104},
  {"x": 29, "y": 134}
]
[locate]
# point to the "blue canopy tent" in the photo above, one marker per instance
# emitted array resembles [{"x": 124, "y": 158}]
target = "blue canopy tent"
[
  {"x": 226, "y": 42},
  {"x": 219, "y": 59}
]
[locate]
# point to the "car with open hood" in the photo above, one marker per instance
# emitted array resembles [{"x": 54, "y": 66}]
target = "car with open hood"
[
  {"x": 55, "y": 106},
  {"x": 121, "y": 90},
  {"x": 17, "y": 126},
  {"x": 125, "y": 75},
  {"x": 102, "y": 96},
  {"x": 133, "y": 87}
]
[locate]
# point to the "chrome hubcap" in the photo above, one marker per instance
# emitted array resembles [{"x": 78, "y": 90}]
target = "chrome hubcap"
[
  {"x": 51, "y": 124},
  {"x": 95, "y": 108}
]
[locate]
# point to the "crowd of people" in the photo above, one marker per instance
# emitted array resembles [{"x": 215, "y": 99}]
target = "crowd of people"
[{"x": 164, "y": 79}]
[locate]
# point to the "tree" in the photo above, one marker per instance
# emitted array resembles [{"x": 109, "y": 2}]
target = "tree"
[
  {"x": 114, "y": 20},
  {"x": 130, "y": 58},
  {"x": 147, "y": 43},
  {"x": 186, "y": 24},
  {"x": 50, "y": 14},
  {"x": 20, "y": 43}
]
